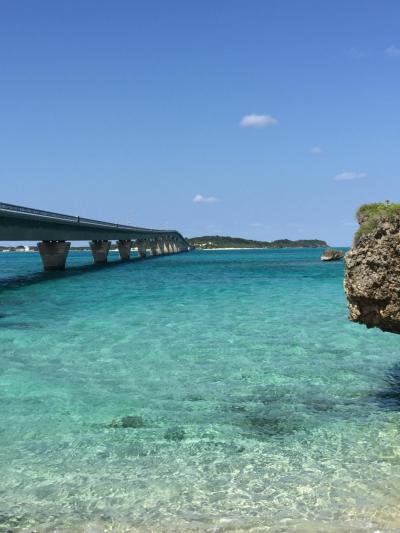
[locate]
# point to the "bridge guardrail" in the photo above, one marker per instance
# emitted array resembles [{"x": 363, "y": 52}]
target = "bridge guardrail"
[{"x": 77, "y": 219}]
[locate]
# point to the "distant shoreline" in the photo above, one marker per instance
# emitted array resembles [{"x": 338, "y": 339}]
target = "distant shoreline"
[
  {"x": 199, "y": 248},
  {"x": 233, "y": 248},
  {"x": 221, "y": 242},
  {"x": 264, "y": 248}
]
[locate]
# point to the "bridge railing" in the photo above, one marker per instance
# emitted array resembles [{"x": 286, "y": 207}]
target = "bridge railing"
[{"x": 70, "y": 218}]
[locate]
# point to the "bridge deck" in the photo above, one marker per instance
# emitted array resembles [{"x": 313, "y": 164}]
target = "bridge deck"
[{"x": 25, "y": 224}]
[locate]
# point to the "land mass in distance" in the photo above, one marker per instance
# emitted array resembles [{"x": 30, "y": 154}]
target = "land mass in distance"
[{"x": 209, "y": 242}]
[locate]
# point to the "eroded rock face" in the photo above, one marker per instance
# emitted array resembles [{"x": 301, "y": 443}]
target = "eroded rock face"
[{"x": 372, "y": 279}]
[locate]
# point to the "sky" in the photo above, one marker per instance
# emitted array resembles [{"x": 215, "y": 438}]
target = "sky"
[{"x": 263, "y": 119}]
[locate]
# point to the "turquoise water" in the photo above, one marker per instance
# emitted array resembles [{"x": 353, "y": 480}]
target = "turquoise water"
[{"x": 258, "y": 406}]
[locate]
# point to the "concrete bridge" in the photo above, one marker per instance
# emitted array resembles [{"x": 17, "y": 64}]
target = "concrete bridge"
[{"x": 53, "y": 231}]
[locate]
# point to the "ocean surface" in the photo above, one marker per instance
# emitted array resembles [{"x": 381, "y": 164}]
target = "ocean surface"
[{"x": 251, "y": 402}]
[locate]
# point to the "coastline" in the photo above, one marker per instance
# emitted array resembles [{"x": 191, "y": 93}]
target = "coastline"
[
  {"x": 232, "y": 248},
  {"x": 262, "y": 248}
]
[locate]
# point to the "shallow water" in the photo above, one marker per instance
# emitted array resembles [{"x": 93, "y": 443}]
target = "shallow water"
[{"x": 261, "y": 407}]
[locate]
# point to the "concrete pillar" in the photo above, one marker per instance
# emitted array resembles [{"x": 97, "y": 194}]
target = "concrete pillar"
[
  {"x": 100, "y": 251},
  {"x": 124, "y": 248},
  {"x": 54, "y": 254},
  {"x": 160, "y": 247},
  {"x": 155, "y": 248},
  {"x": 141, "y": 247},
  {"x": 174, "y": 247},
  {"x": 164, "y": 247}
]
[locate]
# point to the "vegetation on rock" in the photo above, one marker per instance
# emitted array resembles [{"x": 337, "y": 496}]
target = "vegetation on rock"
[{"x": 369, "y": 216}]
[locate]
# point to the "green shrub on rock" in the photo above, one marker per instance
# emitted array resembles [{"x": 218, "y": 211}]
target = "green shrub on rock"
[{"x": 369, "y": 216}]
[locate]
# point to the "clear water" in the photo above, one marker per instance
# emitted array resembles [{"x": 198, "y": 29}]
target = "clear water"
[{"x": 263, "y": 408}]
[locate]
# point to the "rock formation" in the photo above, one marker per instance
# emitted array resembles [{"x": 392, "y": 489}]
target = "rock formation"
[
  {"x": 372, "y": 278},
  {"x": 331, "y": 255}
]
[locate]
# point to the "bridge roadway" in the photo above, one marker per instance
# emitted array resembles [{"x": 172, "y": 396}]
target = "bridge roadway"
[{"x": 54, "y": 230}]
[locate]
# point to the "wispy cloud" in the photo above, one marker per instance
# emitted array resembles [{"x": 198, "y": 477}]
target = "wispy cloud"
[
  {"x": 349, "y": 175},
  {"x": 354, "y": 53},
  {"x": 392, "y": 51},
  {"x": 258, "y": 121},
  {"x": 200, "y": 199},
  {"x": 316, "y": 150}
]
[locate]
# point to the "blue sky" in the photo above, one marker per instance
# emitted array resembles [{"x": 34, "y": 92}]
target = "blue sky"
[{"x": 263, "y": 119}]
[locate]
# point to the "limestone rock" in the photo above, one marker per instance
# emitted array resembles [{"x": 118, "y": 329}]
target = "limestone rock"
[
  {"x": 372, "y": 278},
  {"x": 332, "y": 255}
]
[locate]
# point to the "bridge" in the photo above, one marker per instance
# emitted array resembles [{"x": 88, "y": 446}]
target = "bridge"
[{"x": 52, "y": 231}]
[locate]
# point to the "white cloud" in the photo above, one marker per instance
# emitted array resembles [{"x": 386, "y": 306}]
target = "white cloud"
[
  {"x": 316, "y": 150},
  {"x": 392, "y": 51},
  {"x": 258, "y": 121},
  {"x": 349, "y": 175},
  {"x": 200, "y": 199}
]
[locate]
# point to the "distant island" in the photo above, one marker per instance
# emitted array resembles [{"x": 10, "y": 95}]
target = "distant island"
[
  {"x": 210, "y": 242},
  {"x": 207, "y": 242}
]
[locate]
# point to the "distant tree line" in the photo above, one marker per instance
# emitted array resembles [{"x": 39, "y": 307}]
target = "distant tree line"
[{"x": 218, "y": 241}]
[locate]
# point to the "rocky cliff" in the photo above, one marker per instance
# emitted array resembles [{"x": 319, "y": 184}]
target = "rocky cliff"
[{"x": 372, "y": 278}]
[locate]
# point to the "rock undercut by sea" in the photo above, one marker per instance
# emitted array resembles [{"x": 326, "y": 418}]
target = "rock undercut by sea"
[{"x": 210, "y": 391}]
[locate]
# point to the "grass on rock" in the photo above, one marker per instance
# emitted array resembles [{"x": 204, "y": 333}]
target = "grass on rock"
[{"x": 369, "y": 217}]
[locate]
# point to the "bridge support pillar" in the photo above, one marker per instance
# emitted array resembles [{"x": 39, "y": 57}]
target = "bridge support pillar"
[
  {"x": 54, "y": 254},
  {"x": 141, "y": 247},
  {"x": 155, "y": 248},
  {"x": 164, "y": 247},
  {"x": 124, "y": 248},
  {"x": 100, "y": 251}
]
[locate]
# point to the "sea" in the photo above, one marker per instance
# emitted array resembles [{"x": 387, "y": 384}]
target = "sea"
[{"x": 211, "y": 391}]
